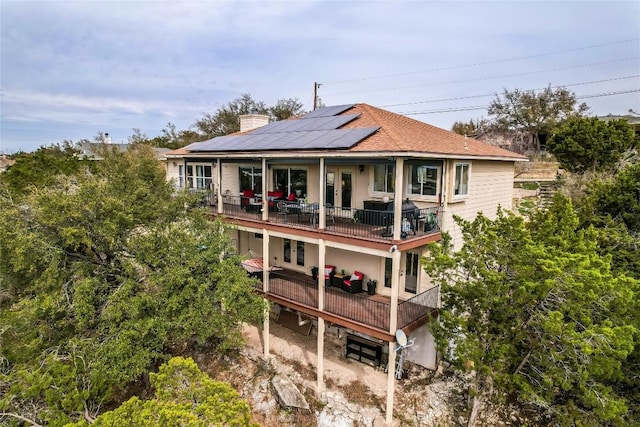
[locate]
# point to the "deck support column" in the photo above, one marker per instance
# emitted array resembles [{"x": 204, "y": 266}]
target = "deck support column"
[
  {"x": 397, "y": 202},
  {"x": 321, "y": 326},
  {"x": 263, "y": 190},
  {"x": 265, "y": 288},
  {"x": 219, "y": 206},
  {"x": 393, "y": 324},
  {"x": 321, "y": 203}
]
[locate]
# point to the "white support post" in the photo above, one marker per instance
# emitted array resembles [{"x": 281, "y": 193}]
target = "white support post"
[
  {"x": 322, "y": 218},
  {"x": 321, "y": 325},
  {"x": 219, "y": 185},
  {"x": 393, "y": 324},
  {"x": 265, "y": 199},
  {"x": 265, "y": 288},
  {"x": 397, "y": 200}
]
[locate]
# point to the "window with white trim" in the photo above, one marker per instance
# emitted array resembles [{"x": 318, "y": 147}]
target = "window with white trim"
[
  {"x": 461, "y": 179},
  {"x": 384, "y": 178},
  {"x": 423, "y": 180},
  {"x": 199, "y": 176},
  {"x": 181, "y": 176},
  {"x": 291, "y": 181},
  {"x": 251, "y": 179}
]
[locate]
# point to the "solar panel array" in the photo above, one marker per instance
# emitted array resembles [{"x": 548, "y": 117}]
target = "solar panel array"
[
  {"x": 328, "y": 111},
  {"x": 319, "y": 129},
  {"x": 320, "y": 123},
  {"x": 298, "y": 140}
]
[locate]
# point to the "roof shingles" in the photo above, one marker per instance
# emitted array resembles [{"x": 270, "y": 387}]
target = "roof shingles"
[{"x": 399, "y": 134}]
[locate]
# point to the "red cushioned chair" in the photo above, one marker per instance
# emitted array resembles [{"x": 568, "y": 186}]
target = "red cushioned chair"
[
  {"x": 353, "y": 284},
  {"x": 329, "y": 272},
  {"x": 244, "y": 199},
  {"x": 274, "y": 196}
]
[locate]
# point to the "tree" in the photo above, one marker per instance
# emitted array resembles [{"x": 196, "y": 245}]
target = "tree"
[
  {"x": 184, "y": 396},
  {"x": 534, "y": 113},
  {"x": 103, "y": 274},
  {"x": 172, "y": 138},
  {"x": 612, "y": 205},
  {"x": 581, "y": 144},
  {"x": 473, "y": 128},
  {"x": 285, "y": 109},
  {"x": 534, "y": 314},
  {"x": 226, "y": 119},
  {"x": 38, "y": 169}
]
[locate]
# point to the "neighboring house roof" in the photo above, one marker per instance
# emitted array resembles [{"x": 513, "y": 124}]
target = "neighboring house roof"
[
  {"x": 92, "y": 150},
  {"x": 4, "y": 163},
  {"x": 353, "y": 128},
  {"x": 630, "y": 118}
]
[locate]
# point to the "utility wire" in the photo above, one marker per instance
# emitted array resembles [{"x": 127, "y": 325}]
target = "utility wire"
[
  {"x": 484, "y": 107},
  {"x": 497, "y": 61},
  {"x": 489, "y": 77},
  {"x": 492, "y": 94}
]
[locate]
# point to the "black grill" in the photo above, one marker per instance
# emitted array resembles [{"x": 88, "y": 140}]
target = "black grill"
[{"x": 381, "y": 213}]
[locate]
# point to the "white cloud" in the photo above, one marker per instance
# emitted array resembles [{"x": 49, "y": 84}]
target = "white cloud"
[{"x": 141, "y": 64}]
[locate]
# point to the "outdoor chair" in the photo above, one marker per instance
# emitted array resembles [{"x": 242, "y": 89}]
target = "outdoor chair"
[
  {"x": 283, "y": 210},
  {"x": 353, "y": 284},
  {"x": 329, "y": 272}
]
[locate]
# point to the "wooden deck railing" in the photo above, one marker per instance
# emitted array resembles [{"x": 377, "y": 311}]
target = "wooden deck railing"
[
  {"x": 362, "y": 308},
  {"x": 366, "y": 223}
]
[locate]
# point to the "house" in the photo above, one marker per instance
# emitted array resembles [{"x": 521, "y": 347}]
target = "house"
[
  {"x": 5, "y": 163},
  {"x": 632, "y": 118},
  {"x": 337, "y": 207}
]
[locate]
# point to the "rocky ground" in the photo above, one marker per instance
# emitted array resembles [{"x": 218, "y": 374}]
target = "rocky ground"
[{"x": 355, "y": 393}]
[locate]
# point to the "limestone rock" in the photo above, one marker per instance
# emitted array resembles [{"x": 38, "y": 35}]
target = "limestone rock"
[{"x": 287, "y": 393}]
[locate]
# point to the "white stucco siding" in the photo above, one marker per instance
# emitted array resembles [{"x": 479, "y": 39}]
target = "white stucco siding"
[
  {"x": 490, "y": 186},
  {"x": 423, "y": 351},
  {"x": 173, "y": 171},
  {"x": 230, "y": 179}
]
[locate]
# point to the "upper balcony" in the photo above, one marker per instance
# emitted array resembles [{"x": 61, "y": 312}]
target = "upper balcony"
[{"x": 370, "y": 224}]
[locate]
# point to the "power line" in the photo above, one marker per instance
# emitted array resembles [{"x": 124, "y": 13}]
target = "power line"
[
  {"x": 497, "y": 61},
  {"x": 489, "y": 77},
  {"x": 492, "y": 94},
  {"x": 484, "y": 107}
]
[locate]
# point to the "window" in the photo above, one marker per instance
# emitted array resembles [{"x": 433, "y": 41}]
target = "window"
[
  {"x": 388, "y": 271},
  {"x": 291, "y": 181},
  {"x": 181, "y": 176},
  {"x": 411, "y": 273},
  {"x": 202, "y": 177},
  {"x": 384, "y": 178},
  {"x": 287, "y": 250},
  {"x": 251, "y": 179},
  {"x": 423, "y": 180},
  {"x": 300, "y": 253},
  {"x": 461, "y": 183}
]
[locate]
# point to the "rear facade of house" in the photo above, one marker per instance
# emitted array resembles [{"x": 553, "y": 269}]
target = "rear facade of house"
[{"x": 334, "y": 211}]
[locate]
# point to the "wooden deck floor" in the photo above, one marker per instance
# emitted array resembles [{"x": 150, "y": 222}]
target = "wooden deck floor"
[{"x": 369, "y": 314}]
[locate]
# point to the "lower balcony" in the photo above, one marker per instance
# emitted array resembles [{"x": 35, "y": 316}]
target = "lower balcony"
[
  {"x": 365, "y": 223},
  {"x": 365, "y": 313}
]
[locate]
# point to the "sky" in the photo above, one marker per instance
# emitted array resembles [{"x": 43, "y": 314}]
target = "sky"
[{"x": 71, "y": 69}]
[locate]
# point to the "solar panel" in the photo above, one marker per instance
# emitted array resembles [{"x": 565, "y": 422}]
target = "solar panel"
[
  {"x": 327, "y": 111},
  {"x": 318, "y": 123},
  {"x": 307, "y": 139}
]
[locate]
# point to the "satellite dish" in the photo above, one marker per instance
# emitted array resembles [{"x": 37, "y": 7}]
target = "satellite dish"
[{"x": 401, "y": 338}]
